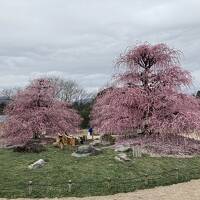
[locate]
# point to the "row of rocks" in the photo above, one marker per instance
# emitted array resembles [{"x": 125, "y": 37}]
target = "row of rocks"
[
  {"x": 93, "y": 149},
  {"x": 90, "y": 150}
]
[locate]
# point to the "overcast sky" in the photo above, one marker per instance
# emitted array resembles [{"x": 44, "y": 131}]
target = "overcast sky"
[{"x": 80, "y": 39}]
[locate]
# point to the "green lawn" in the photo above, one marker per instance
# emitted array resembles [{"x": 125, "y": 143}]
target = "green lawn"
[{"x": 98, "y": 175}]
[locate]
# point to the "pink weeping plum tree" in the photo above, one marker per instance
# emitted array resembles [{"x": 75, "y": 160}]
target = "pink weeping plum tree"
[
  {"x": 147, "y": 96},
  {"x": 36, "y": 110}
]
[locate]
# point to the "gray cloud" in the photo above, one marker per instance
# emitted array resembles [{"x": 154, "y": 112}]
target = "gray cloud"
[{"x": 80, "y": 39}]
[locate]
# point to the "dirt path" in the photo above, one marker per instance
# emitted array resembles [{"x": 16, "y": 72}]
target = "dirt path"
[{"x": 182, "y": 191}]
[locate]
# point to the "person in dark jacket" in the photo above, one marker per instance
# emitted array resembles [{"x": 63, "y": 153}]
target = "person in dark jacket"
[{"x": 90, "y": 132}]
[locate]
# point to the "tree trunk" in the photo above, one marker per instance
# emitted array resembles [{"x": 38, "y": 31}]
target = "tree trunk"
[
  {"x": 35, "y": 136},
  {"x": 145, "y": 83}
]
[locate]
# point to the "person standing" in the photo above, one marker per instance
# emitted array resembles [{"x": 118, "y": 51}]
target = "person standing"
[{"x": 90, "y": 132}]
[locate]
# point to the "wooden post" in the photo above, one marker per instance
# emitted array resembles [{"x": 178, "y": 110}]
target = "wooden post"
[
  {"x": 69, "y": 186},
  {"x": 133, "y": 149},
  {"x": 177, "y": 174},
  {"x": 146, "y": 182},
  {"x": 109, "y": 182},
  {"x": 139, "y": 152},
  {"x": 30, "y": 187}
]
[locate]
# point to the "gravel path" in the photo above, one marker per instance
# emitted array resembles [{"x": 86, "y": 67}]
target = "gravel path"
[{"x": 182, "y": 191}]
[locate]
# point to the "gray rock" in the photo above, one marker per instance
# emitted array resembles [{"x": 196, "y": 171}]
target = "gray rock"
[
  {"x": 105, "y": 143},
  {"x": 123, "y": 148},
  {"x": 118, "y": 159},
  {"x": 38, "y": 164},
  {"x": 77, "y": 155},
  {"x": 122, "y": 157},
  {"x": 86, "y": 150}
]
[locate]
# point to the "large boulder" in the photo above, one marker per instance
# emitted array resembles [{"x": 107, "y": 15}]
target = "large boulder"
[{"x": 86, "y": 150}]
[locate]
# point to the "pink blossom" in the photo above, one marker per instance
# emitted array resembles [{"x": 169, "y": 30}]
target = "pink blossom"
[
  {"x": 35, "y": 110},
  {"x": 148, "y": 95}
]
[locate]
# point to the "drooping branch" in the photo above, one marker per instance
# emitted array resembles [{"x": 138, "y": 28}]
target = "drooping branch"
[{"x": 147, "y": 95}]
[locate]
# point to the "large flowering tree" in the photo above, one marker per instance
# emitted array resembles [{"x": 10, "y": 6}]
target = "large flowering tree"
[
  {"x": 35, "y": 110},
  {"x": 147, "y": 95}
]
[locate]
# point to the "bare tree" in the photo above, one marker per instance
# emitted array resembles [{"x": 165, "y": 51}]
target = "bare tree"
[
  {"x": 68, "y": 90},
  {"x": 9, "y": 92}
]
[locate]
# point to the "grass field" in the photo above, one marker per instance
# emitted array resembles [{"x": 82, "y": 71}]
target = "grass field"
[{"x": 98, "y": 175}]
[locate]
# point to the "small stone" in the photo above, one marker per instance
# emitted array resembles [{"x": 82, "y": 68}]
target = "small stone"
[
  {"x": 118, "y": 159},
  {"x": 122, "y": 157},
  {"x": 38, "y": 164}
]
